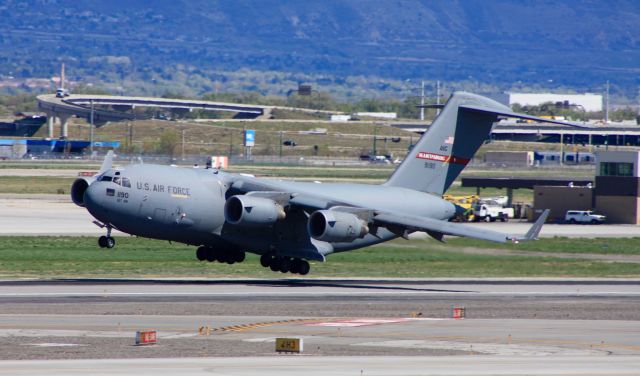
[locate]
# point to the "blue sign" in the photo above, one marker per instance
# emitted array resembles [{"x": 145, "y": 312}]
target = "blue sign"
[{"x": 249, "y": 137}]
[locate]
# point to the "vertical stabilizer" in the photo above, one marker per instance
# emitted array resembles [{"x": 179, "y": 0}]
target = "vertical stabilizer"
[
  {"x": 449, "y": 144},
  {"x": 107, "y": 164}
]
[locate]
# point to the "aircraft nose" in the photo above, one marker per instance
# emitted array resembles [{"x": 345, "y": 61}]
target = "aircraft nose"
[
  {"x": 90, "y": 195},
  {"x": 94, "y": 201}
]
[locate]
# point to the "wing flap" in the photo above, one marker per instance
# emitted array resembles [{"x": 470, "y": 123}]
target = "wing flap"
[{"x": 439, "y": 226}]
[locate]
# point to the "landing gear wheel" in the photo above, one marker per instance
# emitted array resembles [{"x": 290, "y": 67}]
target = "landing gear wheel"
[
  {"x": 295, "y": 266},
  {"x": 240, "y": 256},
  {"x": 201, "y": 253},
  {"x": 265, "y": 260},
  {"x": 222, "y": 257},
  {"x": 210, "y": 255},
  {"x": 107, "y": 241},
  {"x": 285, "y": 265},
  {"x": 304, "y": 267},
  {"x": 274, "y": 265}
]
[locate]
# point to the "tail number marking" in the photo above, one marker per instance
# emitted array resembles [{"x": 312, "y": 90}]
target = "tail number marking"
[{"x": 443, "y": 158}]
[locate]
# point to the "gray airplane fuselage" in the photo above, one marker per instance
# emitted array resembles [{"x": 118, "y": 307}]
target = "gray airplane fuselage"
[{"x": 187, "y": 205}]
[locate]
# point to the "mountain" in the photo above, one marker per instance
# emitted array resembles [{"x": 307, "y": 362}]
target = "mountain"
[{"x": 507, "y": 43}]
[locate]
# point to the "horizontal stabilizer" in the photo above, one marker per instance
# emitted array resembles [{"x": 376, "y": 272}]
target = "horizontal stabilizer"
[
  {"x": 534, "y": 231},
  {"x": 523, "y": 116}
]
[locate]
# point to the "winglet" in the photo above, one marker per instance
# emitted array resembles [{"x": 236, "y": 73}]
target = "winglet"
[
  {"x": 534, "y": 231},
  {"x": 107, "y": 163}
]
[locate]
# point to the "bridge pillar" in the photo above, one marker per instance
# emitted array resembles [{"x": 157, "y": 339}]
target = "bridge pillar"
[
  {"x": 64, "y": 129},
  {"x": 51, "y": 118}
]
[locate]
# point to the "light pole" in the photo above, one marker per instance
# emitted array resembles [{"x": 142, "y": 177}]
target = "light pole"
[
  {"x": 182, "y": 131},
  {"x": 91, "y": 130},
  {"x": 422, "y": 101}
]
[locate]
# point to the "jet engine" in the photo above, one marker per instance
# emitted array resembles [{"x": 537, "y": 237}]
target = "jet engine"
[
  {"x": 335, "y": 226},
  {"x": 78, "y": 188},
  {"x": 252, "y": 211}
]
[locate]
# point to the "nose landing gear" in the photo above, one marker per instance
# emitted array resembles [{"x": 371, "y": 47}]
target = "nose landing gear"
[{"x": 107, "y": 241}]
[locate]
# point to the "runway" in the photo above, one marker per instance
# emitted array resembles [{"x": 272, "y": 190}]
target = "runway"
[
  {"x": 379, "y": 327},
  {"x": 329, "y": 366},
  {"x": 56, "y": 215}
]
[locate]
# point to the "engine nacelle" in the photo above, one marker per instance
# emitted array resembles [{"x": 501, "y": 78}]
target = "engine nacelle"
[
  {"x": 252, "y": 211},
  {"x": 335, "y": 226},
  {"x": 78, "y": 188}
]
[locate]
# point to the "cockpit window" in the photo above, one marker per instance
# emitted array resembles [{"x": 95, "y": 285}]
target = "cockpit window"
[
  {"x": 126, "y": 183},
  {"x": 106, "y": 178},
  {"x": 116, "y": 180}
]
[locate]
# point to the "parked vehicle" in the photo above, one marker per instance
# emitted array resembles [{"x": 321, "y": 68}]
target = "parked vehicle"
[
  {"x": 61, "y": 93},
  {"x": 584, "y": 216},
  {"x": 490, "y": 213},
  {"x": 289, "y": 143}
]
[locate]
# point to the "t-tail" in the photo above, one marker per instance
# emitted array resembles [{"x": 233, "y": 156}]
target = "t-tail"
[{"x": 451, "y": 141}]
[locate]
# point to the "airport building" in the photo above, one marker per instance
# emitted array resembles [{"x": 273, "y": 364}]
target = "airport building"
[
  {"x": 589, "y": 102},
  {"x": 617, "y": 192}
]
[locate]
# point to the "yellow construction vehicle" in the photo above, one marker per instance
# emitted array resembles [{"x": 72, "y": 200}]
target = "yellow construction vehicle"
[{"x": 464, "y": 212}]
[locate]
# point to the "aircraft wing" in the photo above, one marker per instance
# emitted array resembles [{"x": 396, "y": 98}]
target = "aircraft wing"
[
  {"x": 435, "y": 226},
  {"x": 398, "y": 223}
]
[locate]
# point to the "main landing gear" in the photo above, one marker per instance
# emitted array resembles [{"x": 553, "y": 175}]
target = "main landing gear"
[
  {"x": 285, "y": 264},
  {"x": 107, "y": 241},
  {"x": 211, "y": 255}
]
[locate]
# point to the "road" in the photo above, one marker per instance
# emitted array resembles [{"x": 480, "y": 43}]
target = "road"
[{"x": 57, "y": 215}]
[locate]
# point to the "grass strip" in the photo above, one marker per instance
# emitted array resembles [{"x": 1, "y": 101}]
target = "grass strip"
[{"x": 79, "y": 257}]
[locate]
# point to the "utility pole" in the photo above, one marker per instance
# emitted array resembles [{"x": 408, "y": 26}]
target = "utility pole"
[
  {"x": 91, "y": 130},
  {"x": 638, "y": 103},
  {"x": 438, "y": 97},
  {"x": 62, "y": 77},
  {"x": 183, "y": 143},
  {"x": 130, "y": 137},
  {"x": 606, "y": 105},
  {"x": 422, "y": 102},
  {"x": 375, "y": 152}
]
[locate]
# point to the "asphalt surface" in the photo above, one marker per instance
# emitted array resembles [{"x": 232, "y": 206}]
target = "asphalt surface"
[
  {"x": 57, "y": 215},
  {"x": 329, "y": 366},
  {"x": 537, "y": 324}
]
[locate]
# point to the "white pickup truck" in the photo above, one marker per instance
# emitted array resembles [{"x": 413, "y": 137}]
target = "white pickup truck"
[
  {"x": 583, "y": 216},
  {"x": 491, "y": 213}
]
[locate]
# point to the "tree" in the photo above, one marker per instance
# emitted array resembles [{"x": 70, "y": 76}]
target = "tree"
[{"x": 168, "y": 143}]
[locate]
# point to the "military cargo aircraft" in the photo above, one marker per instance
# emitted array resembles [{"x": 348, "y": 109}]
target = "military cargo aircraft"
[{"x": 289, "y": 223}]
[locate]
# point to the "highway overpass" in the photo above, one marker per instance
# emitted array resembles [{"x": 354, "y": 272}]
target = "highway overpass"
[
  {"x": 610, "y": 134},
  {"x": 118, "y": 108}
]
